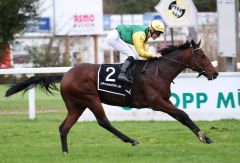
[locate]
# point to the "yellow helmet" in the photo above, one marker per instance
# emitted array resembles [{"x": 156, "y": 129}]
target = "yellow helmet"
[{"x": 156, "y": 25}]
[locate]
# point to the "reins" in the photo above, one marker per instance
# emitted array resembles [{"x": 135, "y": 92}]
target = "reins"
[
  {"x": 182, "y": 63},
  {"x": 193, "y": 66}
]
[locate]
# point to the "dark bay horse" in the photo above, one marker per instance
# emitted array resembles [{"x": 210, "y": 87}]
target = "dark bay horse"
[{"x": 151, "y": 88}]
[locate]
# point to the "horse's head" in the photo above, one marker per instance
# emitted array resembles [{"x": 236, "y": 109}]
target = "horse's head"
[{"x": 201, "y": 63}]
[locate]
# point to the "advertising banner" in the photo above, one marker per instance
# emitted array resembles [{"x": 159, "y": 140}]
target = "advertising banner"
[
  {"x": 106, "y": 22},
  {"x": 78, "y": 17},
  {"x": 41, "y": 24},
  {"x": 44, "y": 24}
]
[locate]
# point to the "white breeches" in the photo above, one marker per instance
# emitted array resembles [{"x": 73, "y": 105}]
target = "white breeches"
[{"x": 114, "y": 40}]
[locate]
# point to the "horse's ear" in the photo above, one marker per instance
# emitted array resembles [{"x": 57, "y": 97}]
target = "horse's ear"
[
  {"x": 196, "y": 45},
  {"x": 199, "y": 43},
  {"x": 193, "y": 44}
]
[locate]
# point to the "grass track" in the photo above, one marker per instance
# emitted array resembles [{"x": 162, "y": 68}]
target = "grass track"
[{"x": 23, "y": 140}]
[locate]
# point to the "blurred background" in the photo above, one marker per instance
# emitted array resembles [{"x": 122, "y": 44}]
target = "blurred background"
[
  {"x": 49, "y": 36},
  {"x": 53, "y": 33}
]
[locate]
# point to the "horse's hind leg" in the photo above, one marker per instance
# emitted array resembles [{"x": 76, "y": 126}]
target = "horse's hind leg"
[
  {"x": 70, "y": 120},
  {"x": 103, "y": 121}
]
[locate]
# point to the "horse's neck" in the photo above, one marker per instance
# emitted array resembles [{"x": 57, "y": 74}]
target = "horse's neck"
[{"x": 177, "y": 63}]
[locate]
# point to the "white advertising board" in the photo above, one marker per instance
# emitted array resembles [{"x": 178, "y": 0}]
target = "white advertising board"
[
  {"x": 78, "y": 17},
  {"x": 227, "y": 28},
  {"x": 199, "y": 98}
]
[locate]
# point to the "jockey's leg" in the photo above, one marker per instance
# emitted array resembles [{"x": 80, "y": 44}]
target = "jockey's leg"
[
  {"x": 122, "y": 76},
  {"x": 114, "y": 40}
]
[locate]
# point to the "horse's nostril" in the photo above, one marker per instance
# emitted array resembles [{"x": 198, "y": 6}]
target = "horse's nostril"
[{"x": 215, "y": 74}]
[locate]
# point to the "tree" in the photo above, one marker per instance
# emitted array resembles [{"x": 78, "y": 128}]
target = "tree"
[
  {"x": 13, "y": 19},
  {"x": 128, "y": 6},
  {"x": 48, "y": 55},
  {"x": 136, "y": 6},
  {"x": 205, "y": 5}
]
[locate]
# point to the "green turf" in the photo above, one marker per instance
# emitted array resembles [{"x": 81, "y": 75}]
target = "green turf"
[{"x": 24, "y": 140}]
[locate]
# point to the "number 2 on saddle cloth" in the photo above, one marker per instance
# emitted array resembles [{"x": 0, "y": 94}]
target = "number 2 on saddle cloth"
[{"x": 107, "y": 80}]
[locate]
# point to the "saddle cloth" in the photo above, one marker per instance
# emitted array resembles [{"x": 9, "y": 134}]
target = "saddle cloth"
[{"x": 107, "y": 80}]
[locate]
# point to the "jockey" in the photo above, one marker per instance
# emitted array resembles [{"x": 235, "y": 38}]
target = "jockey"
[{"x": 130, "y": 40}]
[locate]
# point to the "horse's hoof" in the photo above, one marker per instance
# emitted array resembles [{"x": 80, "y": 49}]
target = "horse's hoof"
[
  {"x": 204, "y": 138},
  {"x": 135, "y": 143},
  {"x": 208, "y": 140},
  {"x": 65, "y": 153}
]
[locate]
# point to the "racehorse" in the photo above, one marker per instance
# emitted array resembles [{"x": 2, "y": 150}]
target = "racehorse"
[{"x": 151, "y": 88}]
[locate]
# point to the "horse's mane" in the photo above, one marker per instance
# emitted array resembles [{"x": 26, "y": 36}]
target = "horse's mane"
[{"x": 171, "y": 48}]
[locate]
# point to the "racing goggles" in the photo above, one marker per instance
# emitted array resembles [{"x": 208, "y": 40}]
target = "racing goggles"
[{"x": 158, "y": 33}]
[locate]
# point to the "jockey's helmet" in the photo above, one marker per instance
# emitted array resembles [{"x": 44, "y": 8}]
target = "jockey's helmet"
[{"x": 156, "y": 25}]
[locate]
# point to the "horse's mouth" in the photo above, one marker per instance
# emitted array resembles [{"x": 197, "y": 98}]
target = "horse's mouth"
[{"x": 211, "y": 76}]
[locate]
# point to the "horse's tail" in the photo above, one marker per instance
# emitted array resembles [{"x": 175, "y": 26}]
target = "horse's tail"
[{"x": 44, "y": 82}]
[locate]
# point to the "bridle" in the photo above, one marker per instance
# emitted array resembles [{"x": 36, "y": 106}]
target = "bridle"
[{"x": 194, "y": 64}]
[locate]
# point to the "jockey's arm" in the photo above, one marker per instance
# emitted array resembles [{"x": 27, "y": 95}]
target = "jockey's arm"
[{"x": 139, "y": 44}]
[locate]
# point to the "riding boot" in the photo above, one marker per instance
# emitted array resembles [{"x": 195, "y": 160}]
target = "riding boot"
[{"x": 122, "y": 75}]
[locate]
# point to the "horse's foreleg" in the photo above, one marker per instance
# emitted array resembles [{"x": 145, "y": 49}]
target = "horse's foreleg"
[
  {"x": 182, "y": 117},
  {"x": 102, "y": 120},
  {"x": 185, "y": 120},
  {"x": 66, "y": 125}
]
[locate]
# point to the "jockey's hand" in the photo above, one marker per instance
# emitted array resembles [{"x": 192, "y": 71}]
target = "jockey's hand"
[{"x": 158, "y": 55}]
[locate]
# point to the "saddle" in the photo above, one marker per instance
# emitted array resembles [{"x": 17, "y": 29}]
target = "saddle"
[
  {"x": 107, "y": 80},
  {"x": 108, "y": 73}
]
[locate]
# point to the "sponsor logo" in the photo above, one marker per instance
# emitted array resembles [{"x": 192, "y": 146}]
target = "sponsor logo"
[
  {"x": 201, "y": 100},
  {"x": 83, "y": 21},
  {"x": 177, "y": 9},
  {"x": 84, "y": 18}
]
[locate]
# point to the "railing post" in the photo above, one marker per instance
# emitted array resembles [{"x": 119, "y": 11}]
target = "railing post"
[{"x": 31, "y": 101}]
